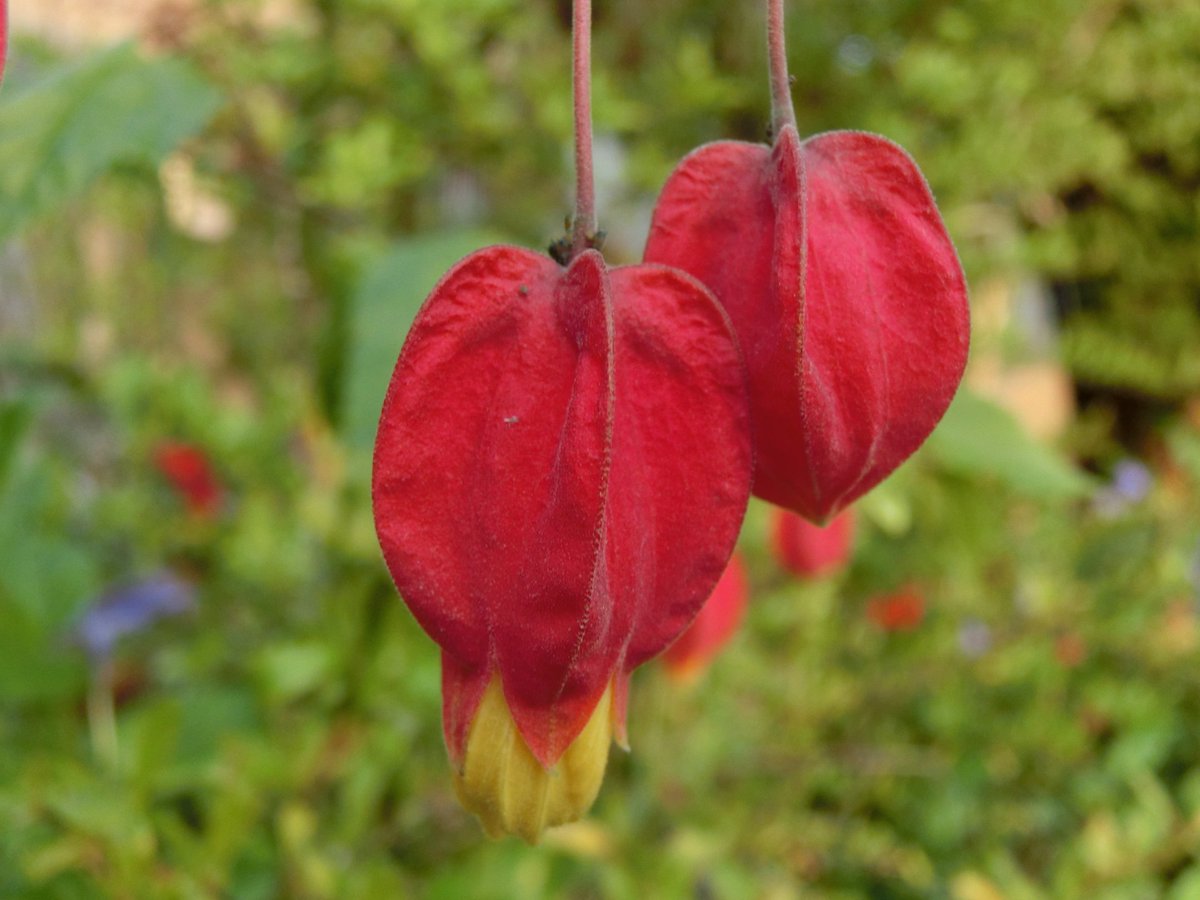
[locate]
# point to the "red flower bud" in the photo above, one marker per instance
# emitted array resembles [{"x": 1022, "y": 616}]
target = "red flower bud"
[
  {"x": 899, "y": 611},
  {"x": 713, "y": 628},
  {"x": 847, "y": 295},
  {"x": 189, "y": 472},
  {"x": 812, "y": 551},
  {"x": 561, "y": 470}
]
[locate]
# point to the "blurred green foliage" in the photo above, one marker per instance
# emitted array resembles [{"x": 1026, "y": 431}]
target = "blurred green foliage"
[
  {"x": 84, "y": 119},
  {"x": 1035, "y": 736}
]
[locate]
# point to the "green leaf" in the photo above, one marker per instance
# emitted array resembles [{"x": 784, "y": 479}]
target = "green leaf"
[
  {"x": 15, "y": 416},
  {"x": 82, "y": 119},
  {"x": 390, "y": 292},
  {"x": 46, "y": 574},
  {"x": 289, "y": 671},
  {"x": 45, "y": 582},
  {"x": 978, "y": 438},
  {"x": 36, "y": 665}
]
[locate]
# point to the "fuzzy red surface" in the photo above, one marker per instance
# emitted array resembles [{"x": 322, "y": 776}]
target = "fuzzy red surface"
[
  {"x": 716, "y": 624},
  {"x": 834, "y": 265},
  {"x": 561, "y": 470},
  {"x": 808, "y": 550}
]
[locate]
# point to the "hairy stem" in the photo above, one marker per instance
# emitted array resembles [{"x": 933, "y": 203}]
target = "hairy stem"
[
  {"x": 782, "y": 111},
  {"x": 585, "y": 187}
]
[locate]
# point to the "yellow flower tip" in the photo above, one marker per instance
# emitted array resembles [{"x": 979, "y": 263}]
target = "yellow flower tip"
[{"x": 504, "y": 785}]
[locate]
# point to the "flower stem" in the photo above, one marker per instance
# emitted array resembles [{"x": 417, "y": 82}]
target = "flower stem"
[
  {"x": 782, "y": 111},
  {"x": 101, "y": 715},
  {"x": 585, "y": 187}
]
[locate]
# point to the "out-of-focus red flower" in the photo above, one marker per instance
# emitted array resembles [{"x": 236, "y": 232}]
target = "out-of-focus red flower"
[
  {"x": 188, "y": 470},
  {"x": 1070, "y": 649},
  {"x": 715, "y": 625},
  {"x": 902, "y": 610},
  {"x": 811, "y": 551}
]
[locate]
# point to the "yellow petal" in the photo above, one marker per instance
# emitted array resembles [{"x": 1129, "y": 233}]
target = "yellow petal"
[{"x": 508, "y": 789}]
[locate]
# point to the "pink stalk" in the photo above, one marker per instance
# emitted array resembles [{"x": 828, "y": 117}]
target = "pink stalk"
[
  {"x": 782, "y": 112},
  {"x": 585, "y": 187}
]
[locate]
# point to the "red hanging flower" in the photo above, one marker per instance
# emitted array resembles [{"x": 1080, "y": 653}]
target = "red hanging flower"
[
  {"x": 902, "y": 610},
  {"x": 713, "y": 628},
  {"x": 188, "y": 470},
  {"x": 847, "y": 295},
  {"x": 812, "y": 551},
  {"x": 561, "y": 470}
]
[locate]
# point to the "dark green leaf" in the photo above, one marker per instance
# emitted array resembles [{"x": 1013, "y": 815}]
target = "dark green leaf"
[
  {"x": 14, "y": 419},
  {"x": 978, "y": 438},
  {"x": 69, "y": 128}
]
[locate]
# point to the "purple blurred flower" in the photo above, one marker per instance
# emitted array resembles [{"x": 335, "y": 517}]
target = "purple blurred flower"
[
  {"x": 1130, "y": 484},
  {"x": 1132, "y": 480},
  {"x": 974, "y": 638},
  {"x": 130, "y": 609}
]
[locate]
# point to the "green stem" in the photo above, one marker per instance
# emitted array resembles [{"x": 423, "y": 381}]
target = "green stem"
[{"x": 102, "y": 715}]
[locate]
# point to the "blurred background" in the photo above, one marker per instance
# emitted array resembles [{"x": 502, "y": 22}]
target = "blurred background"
[{"x": 217, "y": 219}]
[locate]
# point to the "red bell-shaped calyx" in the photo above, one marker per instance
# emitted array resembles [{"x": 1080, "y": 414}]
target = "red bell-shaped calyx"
[
  {"x": 833, "y": 263},
  {"x": 561, "y": 470}
]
